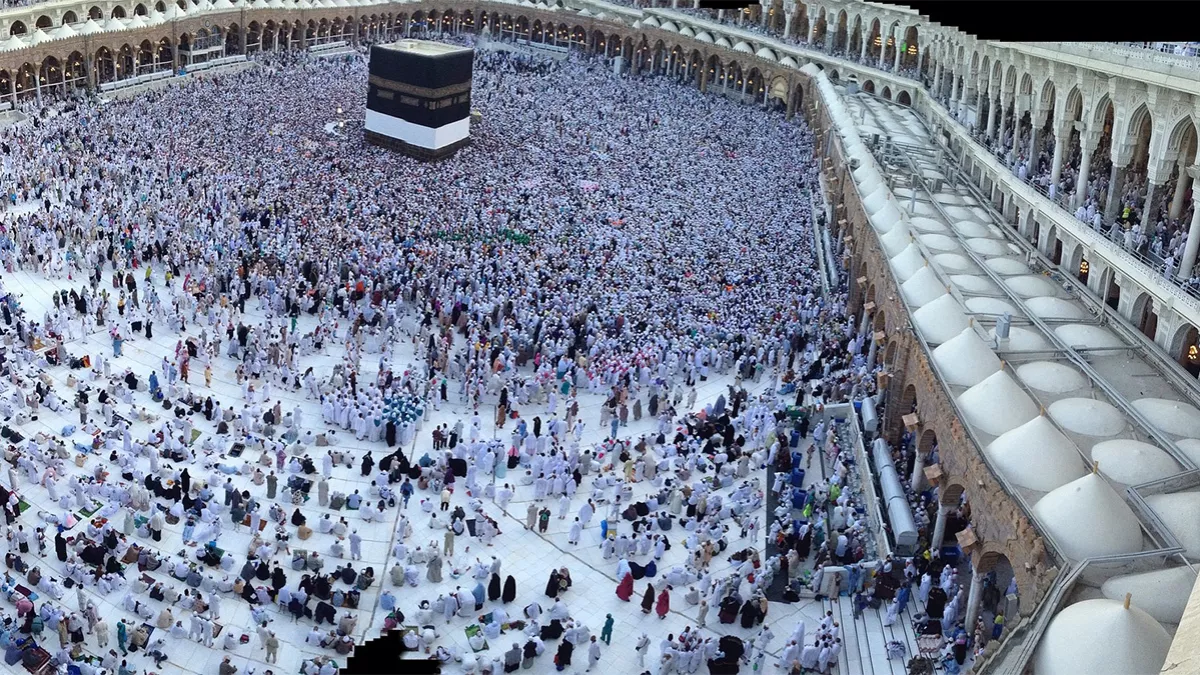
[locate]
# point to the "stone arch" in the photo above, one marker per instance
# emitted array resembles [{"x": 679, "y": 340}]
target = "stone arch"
[
  {"x": 927, "y": 442},
  {"x": 118, "y": 12},
  {"x": 69, "y": 17},
  {"x": 95, "y": 13},
  {"x": 44, "y": 22},
  {"x": 951, "y": 494},
  {"x": 889, "y": 354},
  {"x": 1185, "y": 349},
  {"x": 856, "y": 37},
  {"x": 1141, "y": 313},
  {"x": 1182, "y": 138},
  {"x": 903, "y": 98},
  {"x": 887, "y": 93},
  {"x": 998, "y": 573},
  {"x": 17, "y": 28},
  {"x": 105, "y": 65},
  {"x": 25, "y": 80},
  {"x": 840, "y": 37},
  {"x": 911, "y": 47},
  {"x": 868, "y": 87},
  {"x": 908, "y": 402}
]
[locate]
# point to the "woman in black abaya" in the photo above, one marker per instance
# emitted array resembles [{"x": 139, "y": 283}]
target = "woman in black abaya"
[
  {"x": 494, "y": 588},
  {"x": 510, "y": 590},
  {"x": 552, "y": 584}
]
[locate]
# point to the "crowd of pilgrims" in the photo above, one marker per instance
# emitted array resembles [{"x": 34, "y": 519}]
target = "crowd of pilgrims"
[{"x": 606, "y": 239}]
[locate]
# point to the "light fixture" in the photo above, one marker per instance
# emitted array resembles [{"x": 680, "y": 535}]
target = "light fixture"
[{"x": 1084, "y": 267}]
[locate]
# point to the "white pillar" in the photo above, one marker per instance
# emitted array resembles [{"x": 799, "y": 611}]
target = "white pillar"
[
  {"x": 1181, "y": 187},
  {"x": 1193, "y": 241},
  {"x": 939, "y": 529},
  {"x": 882, "y": 49},
  {"x": 974, "y": 599},
  {"x": 918, "y": 472},
  {"x": 1085, "y": 167},
  {"x": 862, "y": 55},
  {"x": 1060, "y": 146},
  {"x": 896, "y": 67}
]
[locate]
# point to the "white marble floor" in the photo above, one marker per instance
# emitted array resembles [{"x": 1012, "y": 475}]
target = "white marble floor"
[{"x": 528, "y": 556}]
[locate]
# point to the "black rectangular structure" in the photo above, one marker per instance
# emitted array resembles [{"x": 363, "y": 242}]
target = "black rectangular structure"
[{"x": 419, "y": 97}]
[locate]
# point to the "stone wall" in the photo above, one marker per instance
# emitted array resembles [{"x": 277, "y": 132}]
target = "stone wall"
[{"x": 999, "y": 521}]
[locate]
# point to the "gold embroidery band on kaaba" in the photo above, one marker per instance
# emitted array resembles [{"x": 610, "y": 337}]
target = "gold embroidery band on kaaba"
[{"x": 422, "y": 92}]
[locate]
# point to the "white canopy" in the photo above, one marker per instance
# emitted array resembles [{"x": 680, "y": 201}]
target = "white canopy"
[
  {"x": 1050, "y": 377},
  {"x": 1101, "y": 637},
  {"x": 997, "y": 404},
  {"x": 970, "y": 228},
  {"x": 1163, "y": 594},
  {"x": 1180, "y": 512},
  {"x": 927, "y": 225},
  {"x": 1087, "y": 518},
  {"x": 1087, "y": 416},
  {"x": 875, "y": 201},
  {"x": 922, "y": 288},
  {"x": 940, "y": 243},
  {"x": 940, "y": 319},
  {"x": 965, "y": 360},
  {"x": 1022, "y": 340},
  {"x": 990, "y": 306},
  {"x": 39, "y": 36},
  {"x": 1031, "y": 286},
  {"x": 896, "y": 239},
  {"x": 90, "y": 26},
  {"x": 907, "y": 262},
  {"x": 1090, "y": 337},
  {"x": 968, "y": 283},
  {"x": 1055, "y": 308},
  {"x": 1036, "y": 456},
  {"x": 886, "y": 218},
  {"x": 1170, "y": 416},
  {"x": 954, "y": 262},
  {"x": 1191, "y": 448},
  {"x": 1006, "y": 266},
  {"x": 1133, "y": 462},
  {"x": 984, "y": 246}
]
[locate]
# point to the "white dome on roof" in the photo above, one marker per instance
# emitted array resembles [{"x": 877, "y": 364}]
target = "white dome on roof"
[
  {"x": 1131, "y": 462},
  {"x": 1085, "y": 336},
  {"x": 990, "y": 306},
  {"x": 969, "y": 283},
  {"x": 927, "y": 225},
  {"x": 997, "y": 404},
  {"x": 704, "y": 36},
  {"x": 970, "y": 228},
  {"x": 1087, "y": 519},
  {"x": 1055, "y": 308},
  {"x": 955, "y": 262},
  {"x": 879, "y": 197},
  {"x": 896, "y": 239},
  {"x": 686, "y": 31},
  {"x": 886, "y": 218},
  {"x": 39, "y": 36},
  {"x": 1036, "y": 456},
  {"x": 985, "y": 246},
  {"x": 1101, "y": 637},
  {"x": 945, "y": 197},
  {"x": 965, "y": 359},
  {"x": 1022, "y": 339},
  {"x": 907, "y": 262},
  {"x": 956, "y": 212},
  {"x": 940, "y": 320},
  {"x": 1031, "y": 286},
  {"x": 1088, "y": 416},
  {"x": 1191, "y": 448},
  {"x": 1180, "y": 513},
  {"x": 939, "y": 243},
  {"x": 743, "y": 47},
  {"x": 765, "y": 53},
  {"x": 1050, "y": 377},
  {"x": 1163, "y": 594},
  {"x": 1006, "y": 266},
  {"x": 1173, "y": 417},
  {"x": 669, "y": 25},
  {"x": 91, "y": 26},
  {"x": 922, "y": 288},
  {"x": 724, "y": 42},
  {"x": 789, "y": 61}
]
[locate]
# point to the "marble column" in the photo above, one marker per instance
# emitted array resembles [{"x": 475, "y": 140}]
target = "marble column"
[{"x": 1193, "y": 240}]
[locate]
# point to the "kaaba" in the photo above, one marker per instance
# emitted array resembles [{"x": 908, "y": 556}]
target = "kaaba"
[{"x": 419, "y": 98}]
